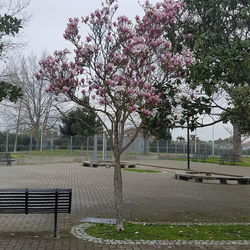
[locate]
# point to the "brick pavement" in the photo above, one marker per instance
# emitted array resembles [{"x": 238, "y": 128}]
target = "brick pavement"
[{"x": 164, "y": 198}]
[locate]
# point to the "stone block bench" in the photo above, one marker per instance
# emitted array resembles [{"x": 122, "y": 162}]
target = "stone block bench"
[
  {"x": 232, "y": 159},
  {"x": 222, "y": 178},
  {"x": 6, "y": 157},
  {"x": 106, "y": 164},
  {"x": 201, "y": 157}
]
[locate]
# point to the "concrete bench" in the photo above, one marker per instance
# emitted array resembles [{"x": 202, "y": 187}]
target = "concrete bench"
[
  {"x": 107, "y": 164},
  {"x": 229, "y": 158},
  {"x": 200, "y": 176},
  {"x": 202, "y": 157}
]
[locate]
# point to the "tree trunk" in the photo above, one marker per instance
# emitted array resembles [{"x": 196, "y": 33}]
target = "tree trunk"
[
  {"x": 236, "y": 140},
  {"x": 41, "y": 140},
  {"x": 145, "y": 141},
  {"x": 17, "y": 128},
  {"x": 118, "y": 193},
  {"x": 16, "y": 138}
]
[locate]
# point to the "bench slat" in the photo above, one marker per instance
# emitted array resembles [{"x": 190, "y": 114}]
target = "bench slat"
[{"x": 12, "y": 211}]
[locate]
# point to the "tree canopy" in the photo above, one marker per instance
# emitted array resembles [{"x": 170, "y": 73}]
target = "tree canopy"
[
  {"x": 9, "y": 25},
  {"x": 219, "y": 39},
  {"x": 80, "y": 122},
  {"x": 9, "y": 91},
  {"x": 221, "y": 46}
]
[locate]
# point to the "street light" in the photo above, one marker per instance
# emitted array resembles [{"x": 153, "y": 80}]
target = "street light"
[{"x": 188, "y": 145}]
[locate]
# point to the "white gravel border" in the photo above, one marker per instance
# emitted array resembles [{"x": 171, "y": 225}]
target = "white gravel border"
[{"x": 79, "y": 232}]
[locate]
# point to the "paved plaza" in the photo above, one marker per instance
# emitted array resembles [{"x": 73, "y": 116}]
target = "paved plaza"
[{"x": 147, "y": 197}]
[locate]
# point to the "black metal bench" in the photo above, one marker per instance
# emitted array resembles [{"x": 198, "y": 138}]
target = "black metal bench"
[
  {"x": 29, "y": 201},
  {"x": 229, "y": 158},
  {"x": 6, "y": 157},
  {"x": 202, "y": 157}
]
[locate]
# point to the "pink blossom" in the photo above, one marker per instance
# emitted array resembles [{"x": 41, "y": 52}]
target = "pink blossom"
[
  {"x": 154, "y": 99},
  {"x": 101, "y": 102},
  {"x": 65, "y": 89},
  {"x": 133, "y": 108},
  {"x": 108, "y": 38},
  {"x": 110, "y": 66},
  {"x": 171, "y": 67},
  {"x": 140, "y": 48},
  {"x": 88, "y": 39},
  {"x": 146, "y": 112},
  {"x": 120, "y": 60}
]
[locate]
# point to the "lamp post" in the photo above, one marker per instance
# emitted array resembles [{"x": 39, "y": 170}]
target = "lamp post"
[
  {"x": 188, "y": 145},
  {"x": 213, "y": 140}
]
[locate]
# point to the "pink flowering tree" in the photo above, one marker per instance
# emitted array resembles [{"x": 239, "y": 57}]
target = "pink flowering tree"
[{"x": 116, "y": 66}]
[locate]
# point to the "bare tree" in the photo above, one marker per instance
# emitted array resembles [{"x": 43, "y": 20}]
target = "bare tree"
[
  {"x": 35, "y": 110},
  {"x": 16, "y": 9}
]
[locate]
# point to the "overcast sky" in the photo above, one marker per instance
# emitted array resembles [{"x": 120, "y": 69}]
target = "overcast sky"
[{"x": 47, "y": 25}]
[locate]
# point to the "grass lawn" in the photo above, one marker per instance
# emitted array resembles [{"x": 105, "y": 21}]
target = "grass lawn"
[
  {"x": 245, "y": 161},
  {"x": 140, "y": 170},
  {"x": 62, "y": 153},
  {"x": 47, "y": 153},
  {"x": 168, "y": 232}
]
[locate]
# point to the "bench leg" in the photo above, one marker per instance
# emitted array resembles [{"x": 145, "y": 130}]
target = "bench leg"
[
  {"x": 183, "y": 178},
  {"x": 55, "y": 217},
  {"x": 198, "y": 180},
  {"x": 223, "y": 181},
  {"x": 131, "y": 166},
  {"x": 55, "y": 225},
  {"x": 242, "y": 181}
]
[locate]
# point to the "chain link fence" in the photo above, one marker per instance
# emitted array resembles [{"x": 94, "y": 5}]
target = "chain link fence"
[{"x": 98, "y": 147}]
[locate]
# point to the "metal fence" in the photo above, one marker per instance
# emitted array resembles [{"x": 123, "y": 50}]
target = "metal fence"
[{"x": 98, "y": 147}]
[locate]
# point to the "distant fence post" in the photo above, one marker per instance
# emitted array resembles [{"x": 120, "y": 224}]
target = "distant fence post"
[
  {"x": 137, "y": 148},
  {"x": 104, "y": 147},
  {"x": 158, "y": 148},
  {"x": 95, "y": 148}
]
